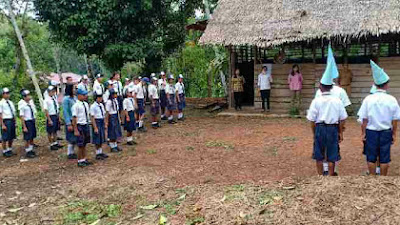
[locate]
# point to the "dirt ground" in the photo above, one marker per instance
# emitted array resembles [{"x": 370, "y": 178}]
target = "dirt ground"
[{"x": 206, "y": 170}]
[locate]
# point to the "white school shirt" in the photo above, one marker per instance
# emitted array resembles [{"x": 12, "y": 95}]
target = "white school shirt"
[
  {"x": 139, "y": 91},
  {"x": 26, "y": 111},
  {"x": 22, "y": 102},
  {"x": 153, "y": 92},
  {"x": 98, "y": 87},
  {"x": 180, "y": 88},
  {"x": 83, "y": 86},
  {"x": 97, "y": 110},
  {"x": 380, "y": 109},
  {"x": 162, "y": 84},
  {"x": 264, "y": 81},
  {"x": 51, "y": 105},
  {"x": 112, "y": 108},
  {"x": 118, "y": 88},
  {"x": 7, "y": 110},
  {"x": 129, "y": 104},
  {"x": 339, "y": 93},
  {"x": 170, "y": 89},
  {"x": 327, "y": 109},
  {"x": 80, "y": 110}
]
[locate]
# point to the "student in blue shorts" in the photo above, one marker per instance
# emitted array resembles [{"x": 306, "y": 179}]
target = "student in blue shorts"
[
  {"x": 129, "y": 112},
  {"x": 113, "y": 123},
  {"x": 379, "y": 114},
  {"x": 27, "y": 114},
  {"x": 7, "y": 122}
]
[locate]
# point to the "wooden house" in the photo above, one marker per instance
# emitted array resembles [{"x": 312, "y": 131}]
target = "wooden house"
[{"x": 287, "y": 32}]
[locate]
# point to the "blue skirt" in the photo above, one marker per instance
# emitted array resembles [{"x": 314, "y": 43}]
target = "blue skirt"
[
  {"x": 114, "y": 127},
  {"x": 120, "y": 100},
  {"x": 155, "y": 107},
  {"x": 10, "y": 134},
  {"x": 163, "y": 99},
  {"x": 84, "y": 135},
  {"x": 182, "y": 102},
  {"x": 141, "y": 109},
  {"x": 100, "y": 137},
  {"x": 131, "y": 125},
  {"x": 70, "y": 136},
  {"x": 31, "y": 134},
  {"x": 56, "y": 124},
  {"x": 171, "y": 102}
]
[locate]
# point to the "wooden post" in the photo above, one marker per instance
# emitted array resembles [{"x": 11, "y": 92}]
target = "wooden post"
[
  {"x": 314, "y": 52},
  {"x": 302, "y": 52},
  {"x": 230, "y": 73}
]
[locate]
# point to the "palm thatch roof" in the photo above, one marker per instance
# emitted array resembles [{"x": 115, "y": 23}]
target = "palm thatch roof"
[{"x": 273, "y": 22}]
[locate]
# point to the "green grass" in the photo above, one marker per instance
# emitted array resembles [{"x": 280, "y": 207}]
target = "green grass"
[
  {"x": 195, "y": 220},
  {"x": 269, "y": 197},
  {"x": 289, "y": 139},
  {"x": 189, "y": 148},
  {"x": 219, "y": 144},
  {"x": 234, "y": 192},
  {"x": 151, "y": 151},
  {"x": 87, "y": 212}
]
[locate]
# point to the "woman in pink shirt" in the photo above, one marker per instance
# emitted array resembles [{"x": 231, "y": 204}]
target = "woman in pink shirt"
[{"x": 295, "y": 81}]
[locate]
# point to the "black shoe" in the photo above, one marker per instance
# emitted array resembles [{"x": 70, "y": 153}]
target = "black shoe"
[
  {"x": 54, "y": 148},
  {"x": 60, "y": 139},
  {"x": 130, "y": 143},
  {"x": 72, "y": 156},
  {"x": 8, "y": 154},
  {"x": 164, "y": 118},
  {"x": 119, "y": 149},
  {"x": 82, "y": 164},
  {"x": 158, "y": 125},
  {"x": 142, "y": 129},
  {"x": 171, "y": 122},
  {"x": 181, "y": 119},
  {"x": 36, "y": 146},
  {"x": 154, "y": 126},
  {"x": 59, "y": 146},
  {"x": 335, "y": 174},
  {"x": 99, "y": 157},
  {"x": 88, "y": 163},
  {"x": 114, "y": 150},
  {"x": 30, "y": 155},
  {"x": 104, "y": 155},
  {"x": 325, "y": 173}
]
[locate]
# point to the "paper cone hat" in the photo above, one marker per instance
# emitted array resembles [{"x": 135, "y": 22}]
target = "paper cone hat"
[
  {"x": 331, "y": 71},
  {"x": 380, "y": 77}
]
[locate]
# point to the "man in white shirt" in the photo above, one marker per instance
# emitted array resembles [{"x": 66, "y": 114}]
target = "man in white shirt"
[
  {"x": 338, "y": 92},
  {"x": 264, "y": 85},
  {"x": 155, "y": 103},
  {"x": 126, "y": 85},
  {"x": 80, "y": 121},
  {"x": 327, "y": 115},
  {"x": 52, "y": 111},
  {"x": 118, "y": 89},
  {"x": 379, "y": 114},
  {"x": 7, "y": 121},
  {"x": 162, "y": 83},
  {"x": 84, "y": 84},
  {"x": 97, "y": 113},
  {"x": 27, "y": 114}
]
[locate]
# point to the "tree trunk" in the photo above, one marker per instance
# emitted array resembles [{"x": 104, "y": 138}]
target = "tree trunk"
[{"x": 31, "y": 71}]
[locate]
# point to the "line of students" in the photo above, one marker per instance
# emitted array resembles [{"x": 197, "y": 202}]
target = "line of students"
[
  {"x": 378, "y": 114},
  {"x": 114, "y": 107}
]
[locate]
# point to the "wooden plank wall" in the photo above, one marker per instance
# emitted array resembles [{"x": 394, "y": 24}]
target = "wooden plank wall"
[{"x": 361, "y": 83}]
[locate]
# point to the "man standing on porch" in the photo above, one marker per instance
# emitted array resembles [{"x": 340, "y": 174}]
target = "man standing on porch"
[
  {"x": 238, "y": 89},
  {"x": 264, "y": 85}
]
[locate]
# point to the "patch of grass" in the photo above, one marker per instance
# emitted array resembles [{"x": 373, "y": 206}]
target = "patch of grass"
[
  {"x": 171, "y": 207},
  {"x": 270, "y": 197},
  {"x": 190, "y": 148},
  {"x": 219, "y": 144},
  {"x": 195, "y": 220},
  {"x": 289, "y": 139},
  {"x": 86, "y": 212},
  {"x": 234, "y": 192},
  {"x": 151, "y": 151},
  {"x": 272, "y": 150}
]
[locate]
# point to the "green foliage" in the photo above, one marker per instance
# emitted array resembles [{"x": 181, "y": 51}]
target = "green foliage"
[
  {"x": 196, "y": 63},
  {"x": 87, "y": 212},
  {"x": 132, "y": 69}
]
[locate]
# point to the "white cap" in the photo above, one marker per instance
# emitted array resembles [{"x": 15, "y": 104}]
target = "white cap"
[
  {"x": 98, "y": 93},
  {"x": 50, "y": 88},
  {"x": 152, "y": 75},
  {"x": 54, "y": 83},
  {"x": 127, "y": 79},
  {"x": 26, "y": 92},
  {"x": 154, "y": 78},
  {"x": 180, "y": 76},
  {"x": 162, "y": 73},
  {"x": 5, "y": 90},
  {"x": 85, "y": 77},
  {"x": 99, "y": 75},
  {"x": 171, "y": 76}
]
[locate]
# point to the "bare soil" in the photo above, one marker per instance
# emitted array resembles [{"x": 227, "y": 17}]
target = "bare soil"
[{"x": 206, "y": 170}]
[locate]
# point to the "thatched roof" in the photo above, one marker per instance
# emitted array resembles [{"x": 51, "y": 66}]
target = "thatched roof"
[{"x": 274, "y": 22}]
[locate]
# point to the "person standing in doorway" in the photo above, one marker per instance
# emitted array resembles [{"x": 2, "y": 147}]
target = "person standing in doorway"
[
  {"x": 264, "y": 85},
  {"x": 237, "y": 85},
  {"x": 295, "y": 81}
]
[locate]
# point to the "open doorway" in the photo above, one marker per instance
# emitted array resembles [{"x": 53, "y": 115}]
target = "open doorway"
[{"x": 247, "y": 71}]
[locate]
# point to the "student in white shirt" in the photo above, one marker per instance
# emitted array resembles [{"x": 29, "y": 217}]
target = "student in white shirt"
[
  {"x": 126, "y": 86},
  {"x": 80, "y": 121},
  {"x": 109, "y": 86},
  {"x": 380, "y": 113},
  {"x": 52, "y": 111},
  {"x": 180, "y": 89},
  {"x": 84, "y": 84},
  {"x": 171, "y": 96},
  {"x": 98, "y": 86},
  {"x": 7, "y": 121},
  {"x": 27, "y": 115},
  {"x": 118, "y": 89},
  {"x": 264, "y": 85},
  {"x": 129, "y": 105},
  {"x": 139, "y": 96},
  {"x": 112, "y": 121},
  {"x": 327, "y": 115},
  {"x": 98, "y": 113},
  {"x": 162, "y": 83},
  {"x": 155, "y": 103}
]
